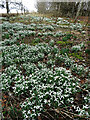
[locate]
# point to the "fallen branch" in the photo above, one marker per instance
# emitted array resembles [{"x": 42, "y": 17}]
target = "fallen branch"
[
  {"x": 59, "y": 112},
  {"x": 75, "y": 115},
  {"x": 50, "y": 115},
  {"x": 45, "y": 116}
]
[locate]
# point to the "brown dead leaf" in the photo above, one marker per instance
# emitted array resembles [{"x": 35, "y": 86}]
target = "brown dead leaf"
[
  {"x": 3, "y": 104},
  {"x": 39, "y": 118},
  {"x": 82, "y": 81}
]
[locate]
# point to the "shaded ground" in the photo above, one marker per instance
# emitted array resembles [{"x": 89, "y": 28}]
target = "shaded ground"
[{"x": 14, "y": 113}]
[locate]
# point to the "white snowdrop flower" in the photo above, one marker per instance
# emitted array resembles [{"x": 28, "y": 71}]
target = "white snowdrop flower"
[
  {"x": 78, "y": 109},
  {"x": 69, "y": 89},
  {"x": 85, "y": 98},
  {"x": 62, "y": 102},
  {"x": 74, "y": 106},
  {"x": 55, "y": 93},
  {"x": 24, "y": 111},
  {"x": 33, "y": 114},
  {"x": 71, "y": 101},
  {"x": 49, "y": 101},
  {"x": 56, "y": 77},
  {"x": 27, "y": 87},
  {"x": 81, "y": 112},
  {"x": 37, "y": 107},
  {"x": 66, "y": 95},
  {"x": 73, "y": 84},
  {"x": 27, "y": 98},
  {"x": 55, "y": 99},
  {"x": 29, "y": 112},
  {"x": 26, "y": 116},
  {"x": 85, "y": 107},
  {"x": 41, "y": 105},
  {"x": 45, "y": 101},
  {"x": 22, "y": 105},
  {"x": 39, "y": 114},
  {"x": 29, "y": 103},
  {"x": 87, "y": 113}
]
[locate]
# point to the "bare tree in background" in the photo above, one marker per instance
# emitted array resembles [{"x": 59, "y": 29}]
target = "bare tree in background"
[
  {"x": 41, "y": 7},
  {"x": 9, "y": 5},
  {"x": 5, "y": 4},
  {"x": 78, "y": 11},
  {"x": 65, "y": 9}
]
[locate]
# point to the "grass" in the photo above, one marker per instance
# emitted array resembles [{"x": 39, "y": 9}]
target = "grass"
[
  {"x": 88, "y": 42},
  {"x": 64, "y": 43},
  {"x": 61, "y": 43},
  {"x": 76, "y": 55}
]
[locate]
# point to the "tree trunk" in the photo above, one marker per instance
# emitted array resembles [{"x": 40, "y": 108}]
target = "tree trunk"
[
  {"x": 78, "y": 11},
  {"x": 7, "y": 6}
]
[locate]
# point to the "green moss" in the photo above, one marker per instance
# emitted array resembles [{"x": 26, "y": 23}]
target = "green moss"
[
  {"x": 78, "y": 56},
  {"x": 33, "y": 43},
  {"x": 88, "y": 42},
  {"x": 69, "y": 42},
  {"x": 61, "y": 42},
  {"x": 64, "y": 43},
  {"x": 67, "y": 32}
]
